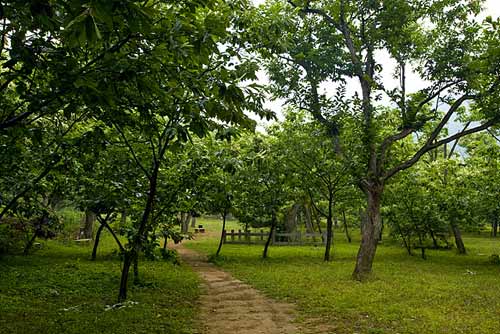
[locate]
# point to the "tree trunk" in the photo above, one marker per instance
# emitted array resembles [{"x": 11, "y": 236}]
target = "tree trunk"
[
  {"x": 96, "y": 242},
  {"x": 346, "y": 229},
  {"x": 329, "y": 238},
  {"x": 308, "y": 219},
  {"x": 137, "y": 241},
  {"x": 127, "y": 261},
  {"x": 270, "y": 236},
  {"x": 88, "y": 225},
  {"x": 434, "y": 240},
  {"x": 193, "y": 221},
  {"x": 185, "y": 219},
  {"x": 224, "y": 214},
  {"x": 370, "y": 233},
  {"x": 458, "y": 239},
  {"x": 494, "y": 228},
  {"x": 136, "y": 268},
  {"x": 318, "y": 223}
]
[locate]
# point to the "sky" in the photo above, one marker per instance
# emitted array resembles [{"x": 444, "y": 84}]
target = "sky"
[{"x": 414, "y": 83}]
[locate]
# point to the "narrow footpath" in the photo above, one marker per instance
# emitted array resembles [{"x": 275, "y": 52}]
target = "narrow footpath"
[{"x": 229, "y": 306}]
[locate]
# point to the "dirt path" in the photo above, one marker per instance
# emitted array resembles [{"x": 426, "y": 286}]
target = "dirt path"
[{"x": 230, "y": 306}]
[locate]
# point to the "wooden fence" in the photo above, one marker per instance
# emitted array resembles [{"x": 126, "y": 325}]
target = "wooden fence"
[{"x": 278, "y": 238}]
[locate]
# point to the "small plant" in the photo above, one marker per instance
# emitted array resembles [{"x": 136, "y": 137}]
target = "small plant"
[
  {"x": 170, "y": 255},
  {"x": 216, "y": 259}
]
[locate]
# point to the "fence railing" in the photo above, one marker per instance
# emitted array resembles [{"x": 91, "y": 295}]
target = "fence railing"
[{"x": 278, "y": 238}]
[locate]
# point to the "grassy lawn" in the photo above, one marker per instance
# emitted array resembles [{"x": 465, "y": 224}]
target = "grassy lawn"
[
  {"x": 59, "y": 290},
  {"x": 446, "y": 293}
]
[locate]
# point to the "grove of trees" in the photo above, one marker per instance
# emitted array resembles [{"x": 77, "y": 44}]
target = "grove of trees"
[{"x": 141, "y": 114}]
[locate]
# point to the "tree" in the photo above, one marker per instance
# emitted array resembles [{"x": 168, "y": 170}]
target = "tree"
[
  {"x": 307, "y": 44},
  {"x": 261, "y": 188},
  {"x": 321, "y": 174},
  {"x": 191, "y": 89}
]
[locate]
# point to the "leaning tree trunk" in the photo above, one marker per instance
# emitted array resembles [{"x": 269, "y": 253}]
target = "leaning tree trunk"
[
  {"x": 131, "y": 254},
  {"x": 270, "y": 236},
  {"x": 458, "y": 239},
  {"x": 308, "y": 219},
  {"x": 96, "y": 242},
  {"x": 370, "y": 233},
  {"x": 224, "y": 214}
]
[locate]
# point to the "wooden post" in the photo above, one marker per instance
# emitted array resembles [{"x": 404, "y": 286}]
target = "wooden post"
[
  {"x": 262, "y": 235},
  {"x": 232, "y": 235},
  {"x": 247, "y": 236},
  {"x": 239, "y": 235}
]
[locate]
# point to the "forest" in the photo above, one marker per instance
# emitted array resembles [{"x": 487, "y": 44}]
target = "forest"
[{"x": 237, "y": 166}]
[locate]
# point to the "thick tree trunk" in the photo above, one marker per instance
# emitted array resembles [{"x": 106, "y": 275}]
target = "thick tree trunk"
[
  {"x": 88, "y": 225},
  {"x": 308, "y": 219},
  {"x": 458, "y": 239},
  {"x": 270, "y": 236},
  {"x": 329, "y": 238},
  {"x": 370, "y": 234},
  {"x": 224, "y": 214},
  {"x": 193, "y": 221},
  {"x": 346, "y": 228},
  {"x": 185, "y": 219},
  {"x": 96, "y": 242}
]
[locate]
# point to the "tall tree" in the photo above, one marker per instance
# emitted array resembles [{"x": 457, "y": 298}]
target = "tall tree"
[{"x": 312, "y": 43}]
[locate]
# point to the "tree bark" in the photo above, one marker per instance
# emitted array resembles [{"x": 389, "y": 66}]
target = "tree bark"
[
  {"x": 96, "y": 242},
  {"x": 370, "y": 233}
]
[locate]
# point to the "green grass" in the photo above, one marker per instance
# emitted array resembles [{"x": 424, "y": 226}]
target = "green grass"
[
  {"x": 59, "y": 290},
  {"x": 446, "y": 293}
]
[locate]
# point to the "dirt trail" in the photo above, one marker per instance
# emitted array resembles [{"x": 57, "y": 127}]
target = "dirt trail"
[{"x": 230, "y": 306}]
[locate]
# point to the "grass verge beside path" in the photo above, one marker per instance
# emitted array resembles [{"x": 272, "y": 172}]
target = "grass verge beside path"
[
  {"x": 446, "y": 293},
  {"x": 59, "y": 290}
]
